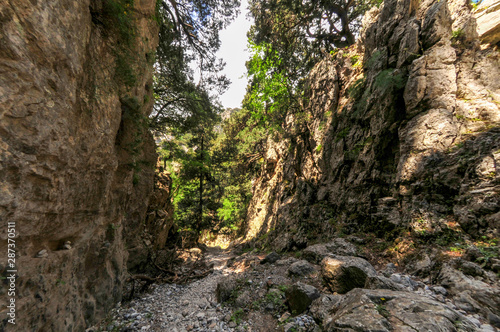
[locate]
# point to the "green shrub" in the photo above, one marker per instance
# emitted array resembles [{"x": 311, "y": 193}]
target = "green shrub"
[
  {"x": 389, "y": 79},
  {"x": 343, "y": 133}
]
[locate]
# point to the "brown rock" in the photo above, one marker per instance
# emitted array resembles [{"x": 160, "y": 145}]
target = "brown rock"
[
  {"x": 488, "y": 21},
  {"x": 385, "y": 310},
  {"x": 343, "y": 273},
  {"x": 300, "y": 296},
  {"x": 65, "y": 158}
]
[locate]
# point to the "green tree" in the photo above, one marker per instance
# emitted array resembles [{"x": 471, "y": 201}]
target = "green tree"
[
  {"x": 189, "y": 34},
  {"x": 237, "y": 155},
  {"x": 289, "y": 37},
  {"x": 186, "y": 112}
]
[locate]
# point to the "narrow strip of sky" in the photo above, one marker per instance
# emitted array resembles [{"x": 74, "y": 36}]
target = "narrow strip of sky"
[{"x": 234, "y": 52}]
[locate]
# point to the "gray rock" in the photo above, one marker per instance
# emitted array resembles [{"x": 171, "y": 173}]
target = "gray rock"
[
  {"x": 300, "y": 269},
  {"x": 404, "y": 280},
  {"x": 471, "y": 269},
  {"x": 341, "y": 247},
  {"x": 343, "y": 273},
  {"x": 357, "y": 240},
  {"x": 468, "y": 293},
  {"x": 322, "y": 307},
  {"x": 300, "y": 296},
  {"x": 243, "y": 299},
  {"x": 494, "y": 320},
  {"x": 488, "y": 328},
  {"x": 271, "y": 258},
  {"x": 380, "y": 282},
  {"x": 440, "y": 290},
  {"x": 42, "y": 253},
  {"x": 390, "y": 268},
  {"x": 475, "y": 321},
  {"x": 286, "y": 261},
  {"x": 315, "y": 253},
  {"x": 372, "y": 310},
  {"x": 472, "y": 253}
]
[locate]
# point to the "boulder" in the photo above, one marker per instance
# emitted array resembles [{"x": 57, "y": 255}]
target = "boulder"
[
  {"x": 381, "y": 282},
  {"x": 405, "y": 281},
  {"x": 271, "y": 258},
  {"x": 386, "y": 310},
  {"x": 300, "y": 269},
  {"x": 324, "y": 306},
  {"x": 470, "y": 294},
  {"x": 315, "y": 253},
  {"x": 390, "y": 268},
  {"x": 300, "y": 296},
  {"x": 343, "y": 273},
  {"x": 471, "y": 269},
  {"x": 341, "y": 247}
]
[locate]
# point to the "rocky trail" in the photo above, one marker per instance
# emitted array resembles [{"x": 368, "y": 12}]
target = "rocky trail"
[
  {"x": 327, "y": 287},
  {"x": 191, "y": 307}
]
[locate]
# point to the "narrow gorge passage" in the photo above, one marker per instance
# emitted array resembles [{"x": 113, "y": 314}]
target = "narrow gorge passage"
[
  {"x": 193, "y": 306},
  {"x": 357, "y": 180},
  {"x": 251, "y": 291}
]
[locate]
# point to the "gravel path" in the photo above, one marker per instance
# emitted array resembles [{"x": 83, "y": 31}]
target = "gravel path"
[{"x": 178, "y": 308}]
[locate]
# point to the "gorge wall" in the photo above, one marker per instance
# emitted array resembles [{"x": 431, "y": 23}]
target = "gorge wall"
[
  {"x": 400, "y": 131},
  {"x": 76, "y": 159}
]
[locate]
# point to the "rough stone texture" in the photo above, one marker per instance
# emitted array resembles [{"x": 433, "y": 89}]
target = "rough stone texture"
[
  {"x": 471, "y": 294},
  {"x": 343, "y": 273},
  {"x": 341, "y": 247},
  {"x": 271, "y": 258},
  {"x": 385, "y": 310},
  {"x": 488, "y": 19},
  {"x": 300, "y": 269},
  {"x": 321, "y": 308},
  {"x": 300, "y": 296},
  {"x": 409, "y": 139},
  {"x": 75, "y": 165},
  {"x": 381, "y": 282},
  {"x": 158, "y": 224},
  {"x": 315, "y": 253}
]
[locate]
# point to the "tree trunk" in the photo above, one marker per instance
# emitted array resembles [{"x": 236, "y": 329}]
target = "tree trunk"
[{"x": 200, "y": 216}]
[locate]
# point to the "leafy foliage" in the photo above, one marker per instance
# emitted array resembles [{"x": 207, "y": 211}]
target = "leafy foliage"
[
  {"x": 212, "y": 163},
  {"x": 270, "y": 94},
  {"x": 212, "y": 179},
  {"x": 189, "y": 37},
  {"x": 302, "y": 32},
  {"x": 185, "y": 112}
]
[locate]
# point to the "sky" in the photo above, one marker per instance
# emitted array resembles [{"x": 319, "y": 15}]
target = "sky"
[{"x": 233, "y": 52}]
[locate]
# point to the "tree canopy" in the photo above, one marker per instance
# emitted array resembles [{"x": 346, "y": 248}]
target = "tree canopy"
[
  {"x": 287, "y": 39},
  {"x": 189, "y": 37}
]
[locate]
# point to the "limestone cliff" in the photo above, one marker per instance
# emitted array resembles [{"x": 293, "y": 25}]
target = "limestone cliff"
[
  {"x": 76, "y": 161},
  {"x": 401, "y": 131}
]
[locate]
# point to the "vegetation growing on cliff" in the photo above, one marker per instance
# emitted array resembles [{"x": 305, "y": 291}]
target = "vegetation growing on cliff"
[{"x": 212, "y": 164}]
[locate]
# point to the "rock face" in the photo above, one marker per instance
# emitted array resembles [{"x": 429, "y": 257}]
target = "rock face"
[
  {"x": 401, "y": 130},
  {"x": 385, "y": 310},
  {"x": 159, "y": 223},
  {"x": 488, "y": 19},
  {"x": 343, "y": 273},
  {"x": 300, "y": 296},
  {"x": 76, "y": 163}
]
